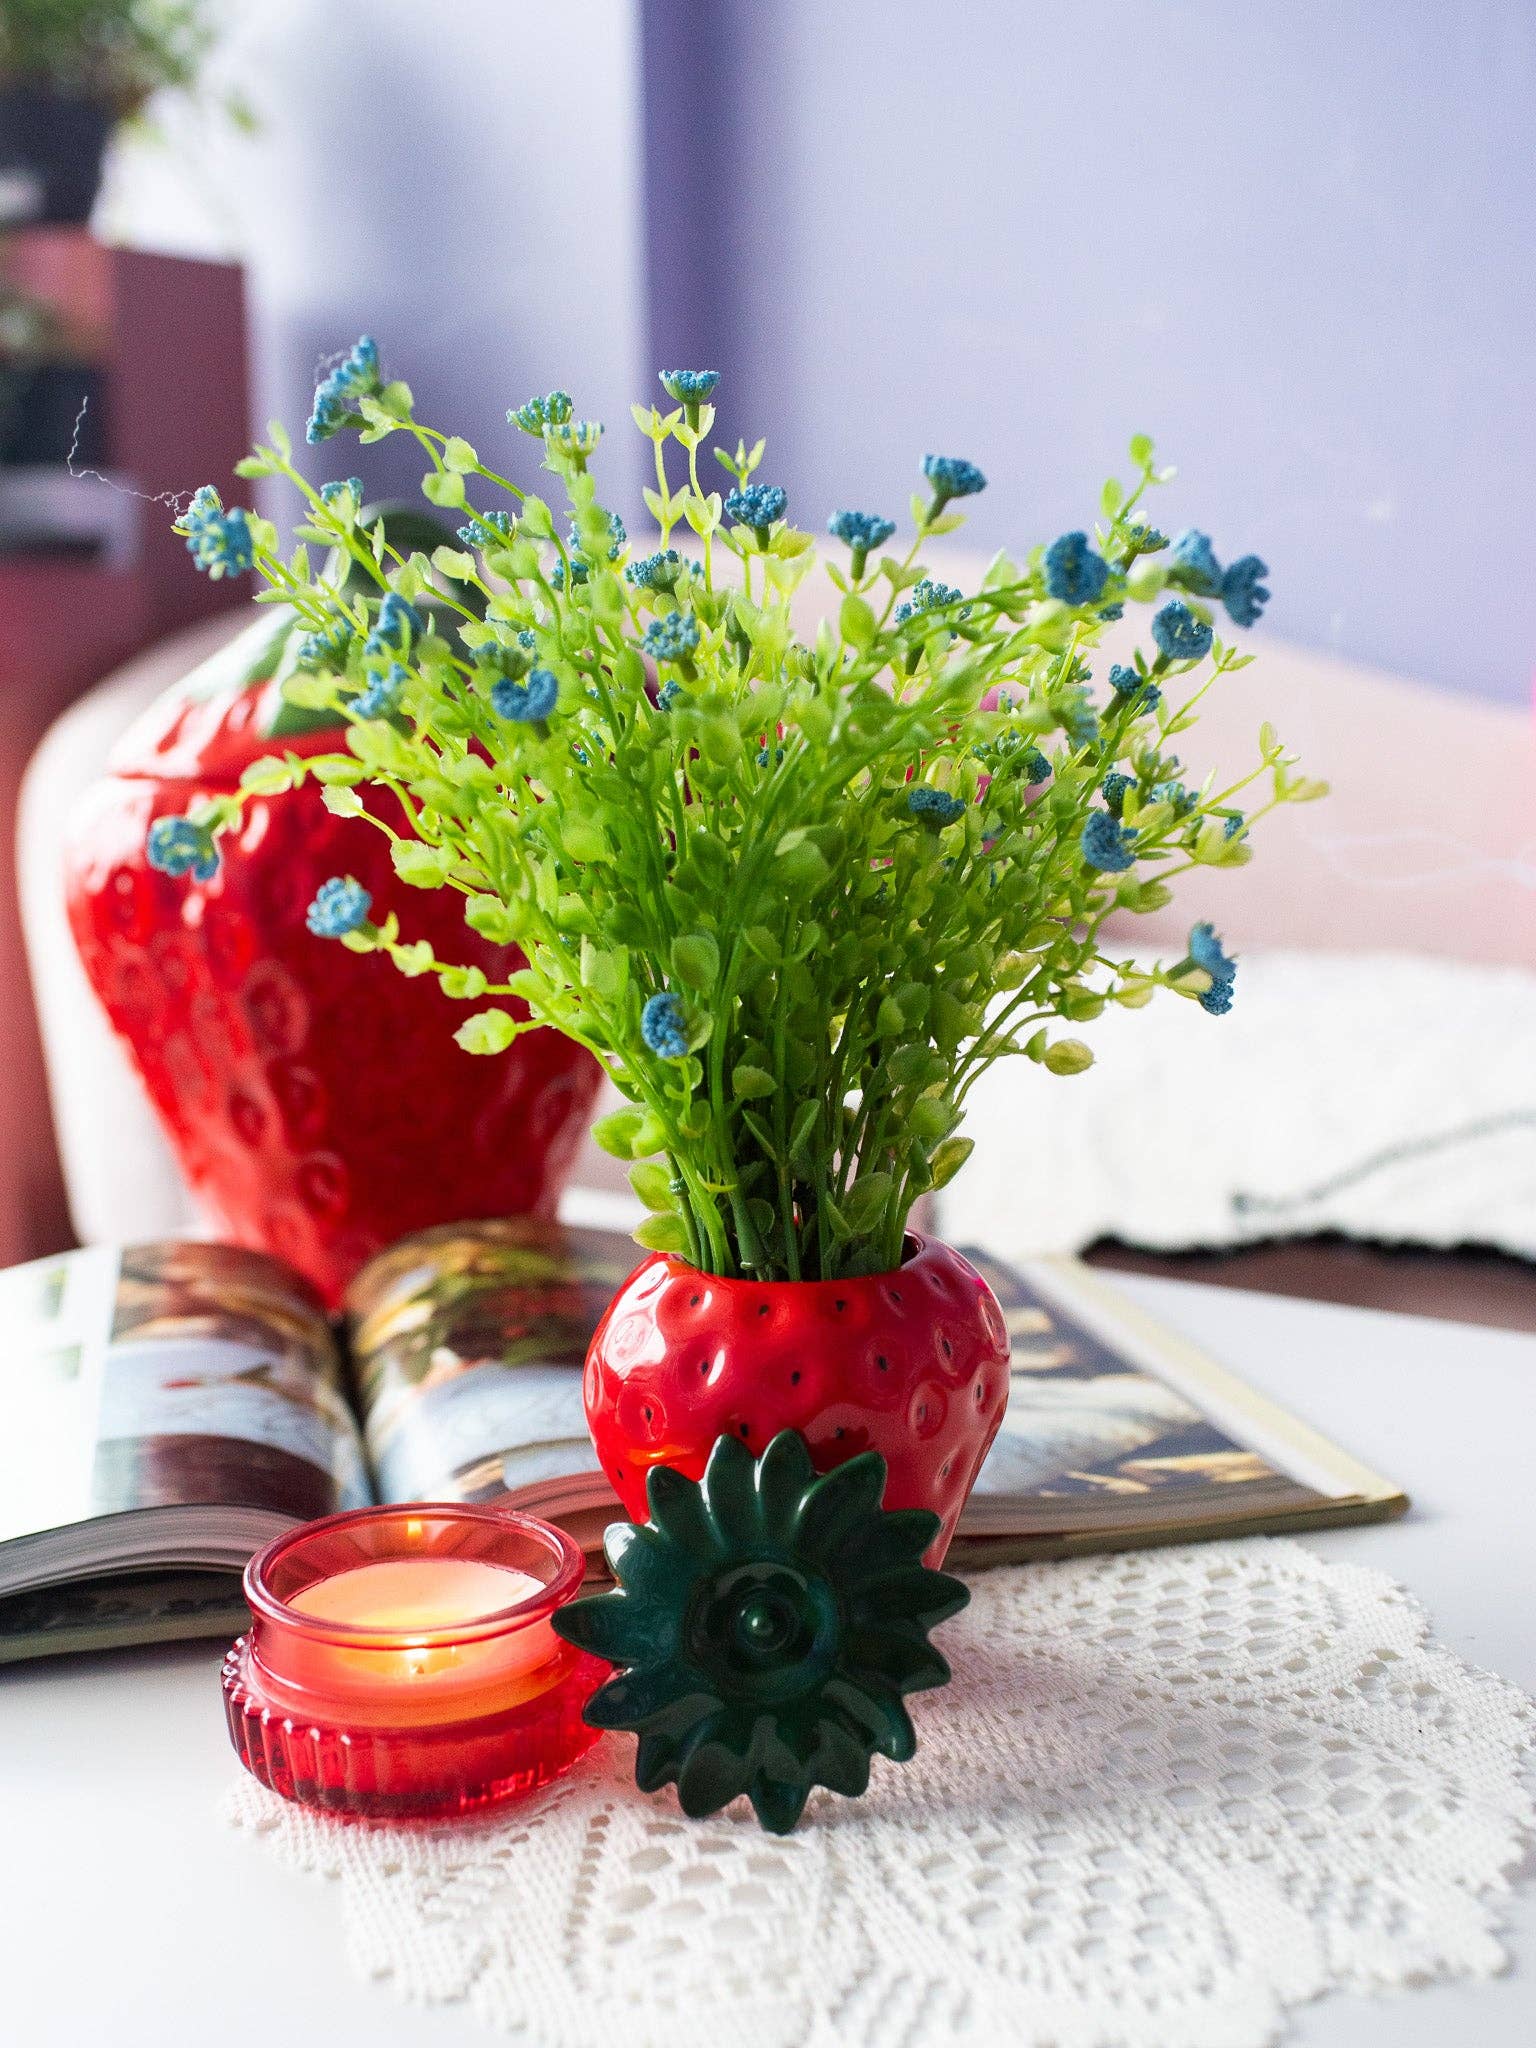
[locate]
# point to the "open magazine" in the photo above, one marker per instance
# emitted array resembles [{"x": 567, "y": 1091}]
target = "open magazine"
[{"x": 168, "y": 1408}]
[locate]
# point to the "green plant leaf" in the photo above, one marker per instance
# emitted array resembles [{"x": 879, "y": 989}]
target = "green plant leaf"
[{"x": 486, "y": 1032}]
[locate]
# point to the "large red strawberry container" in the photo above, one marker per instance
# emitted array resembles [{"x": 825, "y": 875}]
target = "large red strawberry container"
[
  {"x": 315, "y": 1098},
  {"x": 912, "y": 1364}
]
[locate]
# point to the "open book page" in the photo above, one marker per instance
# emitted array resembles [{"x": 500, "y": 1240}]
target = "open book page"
[
  {"x": 468, "y": 1341},
  {"x": 467, "y": 1344},
  {"x": 155, "y": 1401},
  {"x": 1116, "y": 1430}
]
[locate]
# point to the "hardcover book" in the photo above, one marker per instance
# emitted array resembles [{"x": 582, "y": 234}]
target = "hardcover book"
[{"x": 168, "y": 1408}]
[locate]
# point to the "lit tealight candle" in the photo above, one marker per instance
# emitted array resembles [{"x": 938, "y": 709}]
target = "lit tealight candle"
[{"x": 402, "y": 1661}]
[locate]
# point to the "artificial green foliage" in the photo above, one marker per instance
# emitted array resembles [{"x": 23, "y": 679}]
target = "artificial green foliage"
[
  {"x": 768, "y": 1624},
  {"x": 117, "y": 53},
  {"x": 795, "y": 895}
]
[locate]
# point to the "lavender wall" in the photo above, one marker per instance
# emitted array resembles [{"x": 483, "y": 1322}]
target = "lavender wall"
[{"x": 1296, "y": 244}]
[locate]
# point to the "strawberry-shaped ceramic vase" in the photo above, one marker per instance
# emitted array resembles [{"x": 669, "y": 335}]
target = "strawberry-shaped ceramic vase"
[
  {"x": 315, "y": 1099},
  {"x": 912, "y": 1364}
]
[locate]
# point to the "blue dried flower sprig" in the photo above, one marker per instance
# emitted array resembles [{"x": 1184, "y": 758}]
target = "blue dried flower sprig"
[
  {"x": 341, "y": 906},
  {"x": 812, "y": 798},
  {"x": 178, "y": 847},
  {"x": 527, "y": 703},
  {"x": 1074, "y": 574},
  {"x": 356, "y": 376},
  {"x": 951, "y": 476},
  {"x": 757, "y": 506},
  {"x": 673, "y": 637},
  {"x": 656, "y": 572},
  {"x": 1206, "y": 953},
  {"x": 538, "y": 413},
  {"x": 664, "y": 1026},
  {"x": 220, "y": 542}
]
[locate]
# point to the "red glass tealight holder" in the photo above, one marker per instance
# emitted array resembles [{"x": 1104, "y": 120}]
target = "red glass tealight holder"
[{"x": 401, "y": 1665}]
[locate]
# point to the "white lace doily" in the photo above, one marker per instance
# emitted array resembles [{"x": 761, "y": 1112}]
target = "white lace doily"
[{"x": 1168, "y": 1796}]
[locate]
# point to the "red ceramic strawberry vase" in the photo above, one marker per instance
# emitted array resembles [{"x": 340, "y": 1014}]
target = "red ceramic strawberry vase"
[
  {"x": 912, "y": 1364},
  {"x": 277, "y": 1061}
]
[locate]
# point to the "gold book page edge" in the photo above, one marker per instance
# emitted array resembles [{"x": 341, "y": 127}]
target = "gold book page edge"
[
  {"x": 973, "y": 1552},
  {"x": 1071, "y": 1282}
]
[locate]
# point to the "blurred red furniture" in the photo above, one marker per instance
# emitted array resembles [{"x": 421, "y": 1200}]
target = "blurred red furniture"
[{"x": 168, "y": 335}]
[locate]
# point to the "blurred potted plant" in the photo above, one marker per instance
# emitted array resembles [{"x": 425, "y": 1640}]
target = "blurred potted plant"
[
  {"x": 70, "y": 72},
  {"x": 793, "y": 897}
]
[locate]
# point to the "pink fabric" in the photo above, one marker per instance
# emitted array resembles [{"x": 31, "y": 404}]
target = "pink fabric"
[{"x": 1427, "y": 843}]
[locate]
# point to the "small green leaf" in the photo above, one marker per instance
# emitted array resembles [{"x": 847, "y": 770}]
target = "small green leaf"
[
  {"x": 652, "y": 1182},
  {"x": 696, "y": 960},
  {"x": 1068, "y": 1056},
  {"x": 487, "y": 1031},
  {"x": 750, "y": 1084},
  {"x": 423, "y": 867},
  {"x": 499, "y": 922},
  {"x": 414, "y": 960},
  {"x": 663, "y": 1234},
  {"x": 615, "y": 1133},
  {"x": 858, "y": 623},
  {"x": 442, "y": 487},
  {"x": 269, "y": 776},
  {"x": 459, "y": 455},
  {"x": 949, "y": 1158}
]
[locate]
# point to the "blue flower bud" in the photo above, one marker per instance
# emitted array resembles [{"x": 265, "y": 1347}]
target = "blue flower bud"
[
  {"x": 1074, "y": 574},
  {"x": 1180, "y": 636},
  {"x": 935, "y": 808},
  {"x": 1194, "y": 563},
  {"x": 861, "y": 531},
  {"x": 526, "y": 703},
  {"x": 656, "y": 572},
  {"x": 539, "y": 413},
  {"x": 487, "y": 530},
  {"x": 1243, "y": 592},
  {"x": 757, "y": 505},
  {"x": 398, "y": 619},
  {"x": 220, "y": 542},
  {"x": 951, "y": 476},
  {"x": 689, "y": 387},
  {"x": 347, "y": 496},
  {"x": 1206, "y": 953},
  {"x": 1107, "y": 845},
  {"x": 664, "y": 1027},
  {"x": 341, "y": 905},
  {"x": 1183, "y": 800},
  {"x": 671, "y": 638},
  {"x": 175, "y": 846},
  {"x": 1116, "y": 788},
  {"x": 381, "y": 699},
  {"x": 337, "y": 393}
]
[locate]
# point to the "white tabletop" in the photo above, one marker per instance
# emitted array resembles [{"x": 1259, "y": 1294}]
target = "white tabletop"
[{"x": 130, "y": 1914}]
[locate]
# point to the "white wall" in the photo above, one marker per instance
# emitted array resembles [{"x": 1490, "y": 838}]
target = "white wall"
[{"x": 461, "y": 180}]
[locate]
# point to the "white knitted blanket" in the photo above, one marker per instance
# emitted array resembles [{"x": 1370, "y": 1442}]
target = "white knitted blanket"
[{"x": 1387, "y": 1097}]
